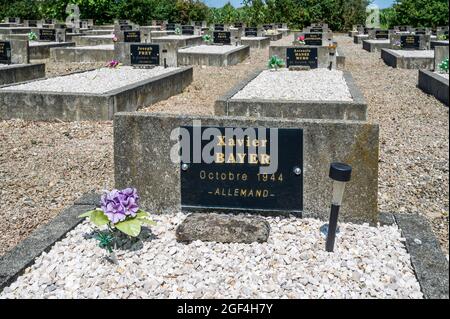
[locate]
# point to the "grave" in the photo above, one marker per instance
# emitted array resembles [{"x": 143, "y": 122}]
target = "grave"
[
  {"x": 14, "y": 63},
  {"x": 79, "y": 54},
  {"x": 358, "y": 38},
  {"x": 378, "y": 39},
  {"x": 436, "y": 82},
  {"x": 92, "y": 95},
  {"x": 435, "y": 43},
  {"x": 315, "y": 94},
  {"x": 255, "y": 42},
  {"x": 408, "y": 51},
  {"x": 213, "y": 55},
  {"x": 91, "y": 40},
  {"x": 181, "y": 40},
  {"x": 307, "y": 144},
  {"x": 283, "y": 29}
]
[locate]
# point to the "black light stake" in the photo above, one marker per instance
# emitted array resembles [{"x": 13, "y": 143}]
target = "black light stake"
[{"x": 340, "y": 174}]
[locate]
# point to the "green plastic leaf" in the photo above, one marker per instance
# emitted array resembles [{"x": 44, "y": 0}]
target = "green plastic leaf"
[
  {"x": 99, "y": 218},
  {"x": 87, "y": 214},
  {"x": 144, "y": 217},
  {"x": 131, "y": 227}
]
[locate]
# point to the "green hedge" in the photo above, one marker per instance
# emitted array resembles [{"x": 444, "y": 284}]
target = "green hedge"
[{"x": 339, "y": 14}]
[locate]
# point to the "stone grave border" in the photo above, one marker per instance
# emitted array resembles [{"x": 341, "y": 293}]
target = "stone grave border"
[
  {"x": 232, "y": 57},
  {"x": 374, "y": 46},
  {"x": 396, "y": 60},
  {"x": 434, "y": 84},
  {"x": 78, "y": 54},
  {"x": 429, "y": 263},
  {"x": 337, "y": 110},
  {"x": 16, "y": 73},
  {"x": 40, "y": 52},
  {"x": 41, "y": 105}
]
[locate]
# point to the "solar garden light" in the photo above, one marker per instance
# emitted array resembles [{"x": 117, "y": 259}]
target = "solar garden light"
[{"x": 340, "y": 174}]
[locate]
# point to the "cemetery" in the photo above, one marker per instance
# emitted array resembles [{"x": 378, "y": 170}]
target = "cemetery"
[{"x": 223, "y": 153}]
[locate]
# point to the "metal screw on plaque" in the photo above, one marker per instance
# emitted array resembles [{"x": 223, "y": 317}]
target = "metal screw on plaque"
[
  {"x": 184, "y": 167},
  {"x": 297, "y": 170},
  {"x": 340, "y": 174}
]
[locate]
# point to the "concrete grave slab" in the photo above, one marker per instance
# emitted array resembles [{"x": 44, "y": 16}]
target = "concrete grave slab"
[
  {"x": 213, "y": 55},
  {"x": 408, "y": 59},
  {"x": 95, "y": 53}
]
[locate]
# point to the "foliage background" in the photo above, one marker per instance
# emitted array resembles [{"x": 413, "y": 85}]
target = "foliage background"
[{"x": 339, "y": 14}]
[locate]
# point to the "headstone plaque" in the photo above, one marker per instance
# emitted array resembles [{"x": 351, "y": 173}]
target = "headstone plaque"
[
  {"x": 144, "y": 54},
  {"x": 238, "y": 25},
  {"x": 403, "y": 28},
  {"x": 313, "y": 39},
  {"x": 233, "y": 180},
  {"x": 219, "y": 27},
  {"x": 410, "y": 42},
  {"x": 222, "y": 37},
  {"x": 170, "y": 27},
  {"x": 381, "y": 34},
  {"x": 12, "y": 20},
  {"x": 315, "y": 29},
  {"x": 132, "y": 36},
  {"x": 32, "y": 23},
  {"x": 187, "y": 30},
  {"x": 251, "y": 32},
  {"x": 5, "y": 52},
  {"x": 198, "y": 23},
  {"x": 123, "y": 22},
  {"x": 420, "y": 32},
  {"x": 126, "y": 27},
  {"x": 267, "y": 27},
  {"x": 48, "y": 21},
  {"x": 302, "y": 56},
  {"x": 47, "y": 35},
  {"x": 280, "y": 25}
]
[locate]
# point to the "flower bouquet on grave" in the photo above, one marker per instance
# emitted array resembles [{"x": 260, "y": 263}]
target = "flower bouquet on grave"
[
  {"x": 275, "y": 62},
  {"x": 300, "y": 40},
  {"x": 113, "y": 64},
  {"x": 114, "y": 38},
  {"x": 32, "y": 36},
  {"x": 207, "y": 38},
  {"x": 177, "y": 31},
  {"x": 119, "y": 215},
  {"x": 332, "y": 48},
  {"x": 443, "y": 66}
]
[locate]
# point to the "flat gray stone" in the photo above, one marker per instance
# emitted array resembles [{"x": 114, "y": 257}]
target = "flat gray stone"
[{"x": 223, "y": 228}]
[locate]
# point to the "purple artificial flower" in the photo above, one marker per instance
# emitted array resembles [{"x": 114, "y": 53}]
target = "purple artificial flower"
[{"x": 118, "y": 205}]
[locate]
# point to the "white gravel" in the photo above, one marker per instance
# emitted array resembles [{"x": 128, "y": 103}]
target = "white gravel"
[
  {"x": 368, "y": 262},
  {"x": 93, "y": 47},
  {"x": 253, "y": 38},
  {"x": 97, "y": 81},
  {"x": 210, "y": 49},
  {"x": 378, "y": 41},
  {"x": 414, "y": 53},
  {"x": 317, "y": 84},
  {"x": 44, "y": 43}
]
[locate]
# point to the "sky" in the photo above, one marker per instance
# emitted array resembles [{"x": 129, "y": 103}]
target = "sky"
[{"x": 237, "y": 3}]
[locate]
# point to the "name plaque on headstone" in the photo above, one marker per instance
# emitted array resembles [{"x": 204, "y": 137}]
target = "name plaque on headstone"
[
  {"x": 170, "y": 27},
  {"x": 12, "y": 20},
  {"x": 410, "y": 42},
  {"x": 238, "y": 25},
  {"x": 267, "y": 26},
  {"x": 132, "y": 36},
  {"x": 47, "y": 35},
  {"x": 302, "y": 57},
  {"x": 222, "y": 37},
  {"x": 5, "y": 52},
  {"x": 313, "y": 39},
  {"x": 382, "y": 34},
  {"x": 319, "y": 30},
  {"x": 402, "y": 28},
  {"x": 187, "y": 30},
  {"x": 144, "y": 54},
  {"x": 280, "y": 25},
  {"x": 32, "y": 23},
  {"x": 232, "y": 179},
  {"x": 251, "y": 32},
  {"x": 48, "y": 21},
  {"x": 198, "y": 23},
  {"x": 123, "y": 22},
  {"x": 126, "y": 27},
  {"x": 219, "y": 27}
]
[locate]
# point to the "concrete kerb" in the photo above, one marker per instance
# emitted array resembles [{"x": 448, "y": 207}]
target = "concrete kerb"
[
  {"x": 40, "y": 105},
  {"x": 20, "y": 73},
  {"x": 395, "y": 60},
  {"x": 352, "y": 110},
  {"x": 434, "y": 84}
]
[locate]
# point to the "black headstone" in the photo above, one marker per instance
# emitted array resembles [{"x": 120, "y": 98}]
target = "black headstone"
[
  {"x": 222, "y": 37},
  {"x": 12, "y": 20},
  {"x": 132, "y": 36},
  {"x": 170, "y": 27},
  {"x": 302, "y": 56},
  {"x": 48, "y": 21},
  {"x": 5, "y": 52},
  {"x": 198, "y": 23},
  {"x": 47, "y": 35},
  {"x": 238, "y": 25},
  {"x": 313, "y": 39},
  {"x": 187, "y": 30},
  {"x": 315, "y": 29},
  {"x": 233, "y": 180},
  {"x": 32, "y": 23},
  {"x": 267, "y": 26},
  {"x": 251, "y": 32},
  {"x": 219, "y": 27},
  {"x": 410, "y": 41},
  {"x": 123, "y": 22},
  {"x": 126, "y": 27},
  {"x": 144, "y": 54},
  {"x": 381, "y": 34}
]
